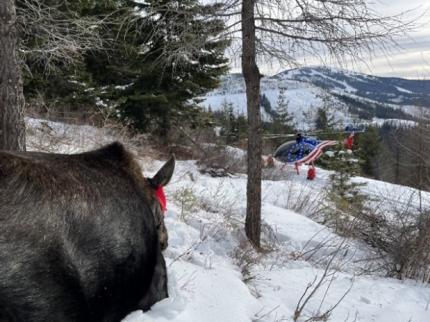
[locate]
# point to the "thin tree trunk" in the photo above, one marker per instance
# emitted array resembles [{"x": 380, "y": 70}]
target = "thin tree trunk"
[
  {"x": 12, "y": 127},
  {"x": 252, "y": 81}
]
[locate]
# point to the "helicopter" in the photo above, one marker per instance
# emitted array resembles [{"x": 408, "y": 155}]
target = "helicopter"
[{"x": 305, "y": 150}]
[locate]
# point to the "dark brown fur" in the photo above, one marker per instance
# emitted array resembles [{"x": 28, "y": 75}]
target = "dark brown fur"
[{"x": 80, "y": 237}]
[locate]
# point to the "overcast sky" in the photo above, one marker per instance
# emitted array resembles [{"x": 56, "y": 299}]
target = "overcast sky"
[{"x": 412, "y": 60}]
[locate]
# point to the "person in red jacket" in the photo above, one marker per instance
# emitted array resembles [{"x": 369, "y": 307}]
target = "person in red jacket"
[
  {"x": 349, "y": 142},
  {"x": 311, "y": 172}
]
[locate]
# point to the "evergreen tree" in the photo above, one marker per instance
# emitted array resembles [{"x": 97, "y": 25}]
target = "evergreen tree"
[
  {"x": 229, "y": 125},
  {"x": 344, "y": 194},
  {"x": 55, "y": 36},
  {"x": 150, "y": 69},
  {"x": 167, "y": 59},
  {"x": 265, "y": 103},
  {"x": 346, "y": 167},
  {"x": 321, "y": 119},
  {"x": 283, "y": 121},
  {"x": 242, "y": 126},
  {"x": 368, "y": 149},
  {"x": 324, "y": 121},
  {"x": 324, "y": 118},
  {"x": 403, "y": 154}
]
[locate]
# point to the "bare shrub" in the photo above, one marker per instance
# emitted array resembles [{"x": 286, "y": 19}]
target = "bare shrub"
[
  {"x": 68, "y": 134},
  {"x": 185, "y": 143},
  {"x": 269, "y": 240},
  {"x": 301, "y": 198},
  {"x": 42, "y": 137},
  {"x": 276, "y": 173},
  {"x": 398, "y": 232},
  {"x": 246, "y": 258},
  {"x": 403, "y": 241},
  {"x": 263, "y": 314},
  {"x": 309, "y": 203},
  {"x": 203, "y": 145},
  {"x": 322, "y": 283},
  {"x": 222, "y": 160},
  {"x": 56, "y": 111}
]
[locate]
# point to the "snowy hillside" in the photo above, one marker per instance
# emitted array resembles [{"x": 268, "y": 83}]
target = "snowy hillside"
[
  {"x": 215, "y": 277},
  {"x": 303, "y": 98},
  {"x": 396, "y": 91},
  {"x": 348, "y": 95}
]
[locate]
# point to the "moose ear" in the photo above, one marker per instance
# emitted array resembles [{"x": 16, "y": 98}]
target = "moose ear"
[{"x": 164, "y": 175}]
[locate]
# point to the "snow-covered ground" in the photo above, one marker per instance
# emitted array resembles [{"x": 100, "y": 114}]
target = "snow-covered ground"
[{"x": 215, "y": 276}]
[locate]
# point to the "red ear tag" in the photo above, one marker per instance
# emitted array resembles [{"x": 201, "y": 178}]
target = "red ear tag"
[{"x": 159, "y": 193}]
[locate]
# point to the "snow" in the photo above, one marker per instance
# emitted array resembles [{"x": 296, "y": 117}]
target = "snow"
[
  {"x": 303, "y": 99},
  {"x": 123, "y": 87},
  {"x": 215, "y": 276},
  {"x": 394, "y": 122},
  {"x": 305, "y": 92},
  {"x": 202, "y": 292},
  {"x": 378, "y": 300},
  {"x": 64, "y": 138},
  {"x": 205, "y": 277},
  {"x": 403, "y": 90},
  {"x": 344, "y": 85}
]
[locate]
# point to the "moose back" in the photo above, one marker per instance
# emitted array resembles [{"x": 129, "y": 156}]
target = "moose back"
[{"x": 80, "y": 236}]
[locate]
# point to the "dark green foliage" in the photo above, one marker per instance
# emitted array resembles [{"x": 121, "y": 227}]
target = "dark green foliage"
[
  {"x": 367, "y": 110},
  {"x": 405, "y": 154},
  {"x": 265, "y": 103},
  {"x": 149, "y": 69},
  {"x": 282, "y": 125},
  {"x": 347, "y": 166},
  {"x": 229, "y": 128},
  {"x": 394, "y": 152},
  {"x": 345, "y": 195},
  {"x": 155, "y": 79},
  {"x": 368, "y": 147},
  {"x": 233, "y": 128},
  {"x": 323, "y": 120},
  {"x": 282, "y": 120},
  {"x": 53, "y": 74}
]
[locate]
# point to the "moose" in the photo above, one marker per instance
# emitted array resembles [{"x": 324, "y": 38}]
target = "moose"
[{"x": 81, "y": 236}]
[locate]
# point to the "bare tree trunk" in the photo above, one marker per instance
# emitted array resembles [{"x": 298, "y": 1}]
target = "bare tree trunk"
[
  {"x": 252, "y": 81},
  {"x": 12, "y": 127}
]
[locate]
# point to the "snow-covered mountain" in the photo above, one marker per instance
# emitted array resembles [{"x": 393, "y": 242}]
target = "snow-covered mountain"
[
  {"x": 349, "y": 96},
  {"x": 397, "y": 91}
]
